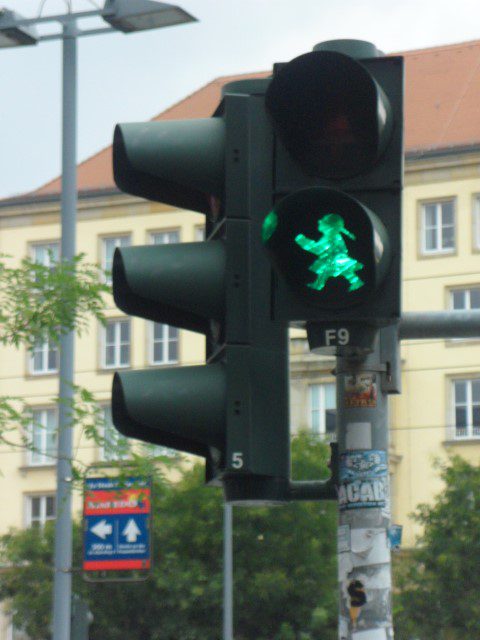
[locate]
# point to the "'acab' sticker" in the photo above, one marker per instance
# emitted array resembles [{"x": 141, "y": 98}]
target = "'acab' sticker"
[{"x": 363, "y": 479}]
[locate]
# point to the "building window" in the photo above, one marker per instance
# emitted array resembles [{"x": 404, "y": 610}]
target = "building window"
[
  {"x": 116, "y": 344},
  {"x": 199, "y": 234},
  {"x": 438, "y": 227},
  {"x": 43, "y": 437},
  {"x": 165, "y": 237},
  {"x": 115, "y": 446},
  {"x": 467, "y": 408},
  {"x": 40, "y": 509},
  {"x": 163, "y": 338},
  {"x": 108, "y": 249},
  {"x": 45, "y": 253},
  {"x": 465, "y": 299},
  {"x": 476, "y": 222},
  {"x": 44, "y": 357},
  {"x": 164, "y": 344},
  {"x": 322, "y": 409}
]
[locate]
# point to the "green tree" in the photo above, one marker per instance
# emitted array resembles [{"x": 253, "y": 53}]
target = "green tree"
[
  {"x": 284, "y": 568},
  {"x": 38, "y": 302},
  {"x": 439, "y": 581}
]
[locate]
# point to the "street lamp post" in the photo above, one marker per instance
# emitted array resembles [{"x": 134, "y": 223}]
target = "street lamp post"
[{"x": 125, "y": 16}]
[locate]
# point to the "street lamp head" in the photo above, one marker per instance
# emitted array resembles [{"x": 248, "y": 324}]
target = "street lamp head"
[
  {"x": 138, "y": 15},
  {"x": 13, "y": 34}
]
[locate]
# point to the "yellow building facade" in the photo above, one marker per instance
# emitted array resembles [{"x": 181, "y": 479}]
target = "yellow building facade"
[{"x": 438, "y": 376}]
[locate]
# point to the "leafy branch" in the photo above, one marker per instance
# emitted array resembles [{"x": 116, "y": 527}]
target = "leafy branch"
[{"x": 39, "y": 302}]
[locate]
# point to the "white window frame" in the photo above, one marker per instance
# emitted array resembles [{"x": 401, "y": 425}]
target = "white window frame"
[
  {"x": 44, "y": 348},
  {"x": 439, "y": 226},
  {"x": 467, "y": 307},
  {"x": 170, "y": 236},
  {"x": 165, "y": 340},
  {"x": 44, "y": 517},
  {"x": 49, "y": 249},
  {"x": 113, "y": 439},
  {"x": 117, "y": 343},
  {"x": 319, "y": 408},
  {"x": 471, "y": 431},
  {"x": 467, "y": 295},
  {"x": 40, "y": 430},
  {"x": 120, "y": 240},
  {"x": 476, "y": 221},
  {"x": 200, "y": 233}
]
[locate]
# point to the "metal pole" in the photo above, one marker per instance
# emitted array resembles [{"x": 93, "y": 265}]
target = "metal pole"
[
  {"x": 227, "y": 573},
  {"x": 62, "y": 588},
  {"x": 364, "y": 563}
]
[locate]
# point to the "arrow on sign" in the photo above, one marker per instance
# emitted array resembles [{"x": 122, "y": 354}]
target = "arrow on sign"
[
  {"x": 102, "y": 529},
  {"x": 131, "y": 531}
]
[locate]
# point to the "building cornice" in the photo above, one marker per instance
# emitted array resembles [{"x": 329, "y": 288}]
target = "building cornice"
[{"x": 416, "y": 161}]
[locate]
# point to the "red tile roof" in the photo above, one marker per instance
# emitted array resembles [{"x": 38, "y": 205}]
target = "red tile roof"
[{"x": 442, "y": 111}]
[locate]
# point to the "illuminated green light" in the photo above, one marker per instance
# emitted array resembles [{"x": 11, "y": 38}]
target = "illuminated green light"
[
  {"x": 269, "y": 225},
  {"x": 333, "y": 260}
]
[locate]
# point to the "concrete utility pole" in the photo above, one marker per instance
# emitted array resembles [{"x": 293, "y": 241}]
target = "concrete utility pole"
[
  {"x": 363, "y": 499},
  {"x": 364, "y": 380}
]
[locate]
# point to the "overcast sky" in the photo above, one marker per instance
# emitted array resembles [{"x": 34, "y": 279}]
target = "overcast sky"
[{"x": 136, "y": 76}]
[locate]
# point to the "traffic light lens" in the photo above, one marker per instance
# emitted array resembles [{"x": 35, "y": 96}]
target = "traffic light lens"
[
  {"x": 325, "y": 232},
  {"x": 330, "y": 114},
  {"x": 333, "y": 259},
  {"x": 269, "y": 226}
]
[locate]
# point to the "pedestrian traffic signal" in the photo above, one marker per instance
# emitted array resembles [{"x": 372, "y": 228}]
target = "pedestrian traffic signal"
[
  {"x": 233, "y": 410},
  {"x": 334, "y": 229},
  {"x": 332, "y": 251}
]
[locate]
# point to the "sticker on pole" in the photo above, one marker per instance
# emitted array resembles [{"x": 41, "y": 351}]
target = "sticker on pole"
[
  {"x": 116, "y": 518},
  {"x": 361, "y": 390},
  {"x": 363, "y": 479}
]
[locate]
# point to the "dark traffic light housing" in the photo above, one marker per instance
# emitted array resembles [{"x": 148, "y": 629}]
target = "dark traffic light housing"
[{"x": 233, "y": 410}]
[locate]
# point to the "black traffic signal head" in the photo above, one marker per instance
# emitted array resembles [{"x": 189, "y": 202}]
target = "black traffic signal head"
[
  {"x": 331, "y": 250},
  {"x": 334, "y": 230},
  {"x": 233, "y": 410}
]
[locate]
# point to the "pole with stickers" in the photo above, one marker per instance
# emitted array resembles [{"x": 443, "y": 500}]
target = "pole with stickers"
[{"x": 363, "y": 382}]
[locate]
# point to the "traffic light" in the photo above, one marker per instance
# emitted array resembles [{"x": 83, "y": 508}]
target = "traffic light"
[
  {"x": 233, "y": 410},
  {"x": 334, "y": 230}
]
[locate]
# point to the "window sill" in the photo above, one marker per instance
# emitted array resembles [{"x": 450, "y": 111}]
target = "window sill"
[
  {"x": 33, "y": 375},
  {"x": 459, "y": 441},
  {"x": 36, "y": 467},
  {"x": 103, "y": 369},
  {"x": 438, "y": 254}
]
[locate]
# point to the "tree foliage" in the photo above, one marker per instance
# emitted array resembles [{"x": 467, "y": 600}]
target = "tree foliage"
[
  {"x": 284, "y": 568},
  {"x": 439, "y": 582},
  {"x": 38, "y": 303}
]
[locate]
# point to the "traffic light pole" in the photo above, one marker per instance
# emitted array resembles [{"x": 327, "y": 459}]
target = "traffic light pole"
[{"x": 364, "y": 565}]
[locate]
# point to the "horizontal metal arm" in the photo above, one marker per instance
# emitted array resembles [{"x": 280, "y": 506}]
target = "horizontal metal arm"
[
  {"x": 312, "y": 490},
  {"x": 440, "y": 324}
]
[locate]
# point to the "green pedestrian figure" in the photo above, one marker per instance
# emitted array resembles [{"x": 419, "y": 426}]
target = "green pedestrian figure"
[{"x": 333, "y": 260}]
